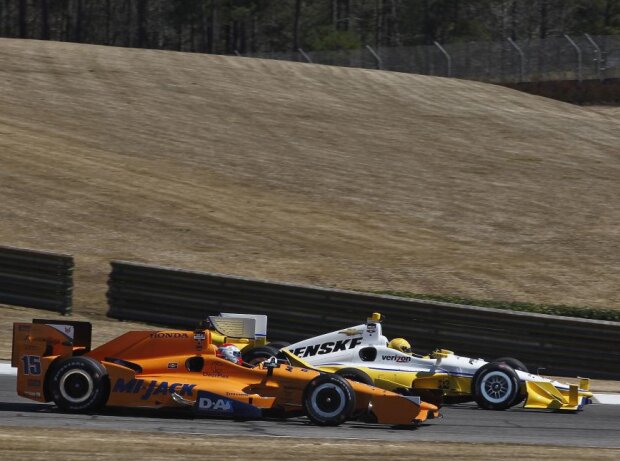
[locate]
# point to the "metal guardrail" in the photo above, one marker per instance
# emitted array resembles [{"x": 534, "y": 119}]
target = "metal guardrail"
[
  {"x": 557, "y": 345},
  {"x": 36, "y": 279}
]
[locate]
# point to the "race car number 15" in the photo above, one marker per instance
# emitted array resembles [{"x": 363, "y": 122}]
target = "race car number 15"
[{"x": 32, "y": 364}]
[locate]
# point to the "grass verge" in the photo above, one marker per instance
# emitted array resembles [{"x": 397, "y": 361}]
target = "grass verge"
[{"x": 551, "y": 309}]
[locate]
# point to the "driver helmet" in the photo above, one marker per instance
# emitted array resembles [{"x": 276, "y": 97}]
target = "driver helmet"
[
  {"x": 400, "y": 344},
  {"x": 229, "y": 352}
]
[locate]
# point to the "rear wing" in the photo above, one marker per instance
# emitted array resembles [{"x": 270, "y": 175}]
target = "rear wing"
[
  {"x": 240, "y": 325},
  {"x": 49, "y": 337}
]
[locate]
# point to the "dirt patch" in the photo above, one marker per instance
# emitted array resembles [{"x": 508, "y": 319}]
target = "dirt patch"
[
  {"x": 67, "y": 444},
  {"x": 303, "y": 173}
]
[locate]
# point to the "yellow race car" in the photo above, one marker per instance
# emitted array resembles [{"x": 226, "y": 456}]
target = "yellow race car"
[{"x": 362, "y": 353}]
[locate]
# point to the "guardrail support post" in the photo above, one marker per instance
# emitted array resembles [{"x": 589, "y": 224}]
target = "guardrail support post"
[
  {"x": 599, "y": 56},
  {"x": 448, "y": 58},
  {"x": 305, "y": 55},
  {"x": 376, "y": 56},
  {"x": 521, "y": 58},
  {"x": 570, "y": 40}
]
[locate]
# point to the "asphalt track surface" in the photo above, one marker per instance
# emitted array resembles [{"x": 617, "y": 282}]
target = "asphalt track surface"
[{"x": 596, "y": 426}]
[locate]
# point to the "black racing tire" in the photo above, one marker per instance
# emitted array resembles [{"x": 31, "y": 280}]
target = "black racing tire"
[
  {"x": 79, "y": 384},
  {"x": 495, "y": 386},
  {"x": 259, "y": 354},
  {"x": 515, "y": 364},
  {"x": 278, "y": 344},
  {"x": 354, "y": 374},
  {"x": 329, "y": 400}
]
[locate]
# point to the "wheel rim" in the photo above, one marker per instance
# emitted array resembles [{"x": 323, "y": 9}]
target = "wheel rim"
[
  {"x": 328, "y": 400},
  {"x": 76, "y": 386},
  {"x": 496, "y": 387}
]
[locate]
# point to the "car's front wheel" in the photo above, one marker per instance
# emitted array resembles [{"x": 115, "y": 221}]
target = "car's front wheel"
[
  {"x": 329, "y": 400},
  {"x": 495, "y": 386}
]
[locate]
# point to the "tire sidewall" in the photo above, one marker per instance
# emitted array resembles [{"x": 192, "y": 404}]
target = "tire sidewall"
[
  {"x": 341, "y": 387},
  {"x": 258, "y": 354},
  {"x": 91, "y": 372},
  {"x": 513, "y": 363},
  {"x": 495, "y": 370},
  {"x": 354, "y": 374}
]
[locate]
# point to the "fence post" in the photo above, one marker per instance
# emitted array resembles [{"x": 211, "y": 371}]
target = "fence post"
[
  {"x": 570, "y": 40},
  {"x": 521, "y": 57},
  {"x": 448, "y": 58},
  {"x": 305, "y": 55},
  {"x": 376, "y": 56},
  {"x": 598, "y": 55}
]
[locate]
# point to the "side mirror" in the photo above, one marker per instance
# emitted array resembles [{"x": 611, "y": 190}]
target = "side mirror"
[{"x": 270, "y": 365}]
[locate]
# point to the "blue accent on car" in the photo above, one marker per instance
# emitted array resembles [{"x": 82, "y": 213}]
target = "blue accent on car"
[{"x": 218, "y": 405}]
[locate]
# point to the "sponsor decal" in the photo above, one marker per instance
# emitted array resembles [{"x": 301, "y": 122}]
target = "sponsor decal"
[
  {"x": 23, "y": 328},
  {"x": 216, "y": 404},
  {"x": 396, "y": 358},
  {"x": 33, "y": 383},
  {"x": 215, "y": 371},
  {"x": 164, "y": 335},
  {"x": 153, "y": 387},
  {"x": 36, "y": 395},
  {"x": 222, "y": 405},
  {"x": 371, "y": 328},
  {"x": 237, "y": 394},
  {"x": 327, "y": 347},
  {"x": 172, "y": 365}
]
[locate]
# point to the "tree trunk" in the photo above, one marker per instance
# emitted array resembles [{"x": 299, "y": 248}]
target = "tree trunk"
[
  {"x": 141, "y": 18},
  {"x": 544, "y": 26},
  {"x": 108, "y": 20},
  {"x": 45, "y": 23},
  {"x": 214, "y": 32},
  {"x": 129, "y": 23},
  {"x": 296, "y": 21},
  {"x": 22, "y": 18},
  {"x": 379, "y": 24},
  {"x": 513, "y": 20},
  {"x": 77, "y": 28}
]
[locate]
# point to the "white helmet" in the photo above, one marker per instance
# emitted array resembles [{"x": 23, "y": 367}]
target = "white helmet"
[{"x": 229, "y": 352}]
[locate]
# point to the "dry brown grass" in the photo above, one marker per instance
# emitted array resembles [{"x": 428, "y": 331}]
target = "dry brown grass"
[
  {"x": 305, "y": 173},
  {"x": 64, "y": 444}
]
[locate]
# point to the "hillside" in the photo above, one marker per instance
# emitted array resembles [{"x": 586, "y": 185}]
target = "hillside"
[{"x": 303, "y": 173}]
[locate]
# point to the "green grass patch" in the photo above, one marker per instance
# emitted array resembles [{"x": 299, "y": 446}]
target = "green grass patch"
[{"x": 552, "y": 309}]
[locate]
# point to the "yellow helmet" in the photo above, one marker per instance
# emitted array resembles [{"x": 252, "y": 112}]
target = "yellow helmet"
[{"x": 400, "y": 344}]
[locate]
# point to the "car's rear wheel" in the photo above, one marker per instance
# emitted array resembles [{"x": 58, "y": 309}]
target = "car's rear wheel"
[
  {"x": 356, "y": 375},
  {"x": 79, "y": 384},
  {"x": 259, "y": 354},
  {"x": 329, "y": 400},
  {"x": 495, "y": 386}
]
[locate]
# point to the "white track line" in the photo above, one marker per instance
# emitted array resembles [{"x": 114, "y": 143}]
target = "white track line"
[
  {"x": 606, "y": 399},
  {"x": 7, "y": 369}
]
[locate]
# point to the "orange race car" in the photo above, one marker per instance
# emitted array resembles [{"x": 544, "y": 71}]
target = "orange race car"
[{"x": 184, "y": 369}]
